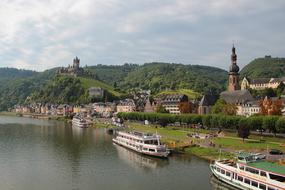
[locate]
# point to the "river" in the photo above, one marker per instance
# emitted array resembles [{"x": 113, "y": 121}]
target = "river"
[{"x": 51, "y": 155}]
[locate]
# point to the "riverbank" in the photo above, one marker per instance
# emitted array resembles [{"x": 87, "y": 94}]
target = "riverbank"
[
  {"x": 225, "y": 146},
  {"x": 36, "y": 116},
  {"x": 97, "y": 123}
]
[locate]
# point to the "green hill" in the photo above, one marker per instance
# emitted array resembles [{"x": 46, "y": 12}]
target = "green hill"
[
  {"x": 16, "y": 86},
  {"x": 112, "y": 73},
  {"x": 71, "y": 90},
  {"x": 264, "y": 68},
  {"x": 162, "y": 76},
  {"x": 24, "y": 86}
]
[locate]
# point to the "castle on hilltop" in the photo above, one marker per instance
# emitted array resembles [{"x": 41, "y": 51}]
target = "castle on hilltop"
[{"x": 74, "y": 69}]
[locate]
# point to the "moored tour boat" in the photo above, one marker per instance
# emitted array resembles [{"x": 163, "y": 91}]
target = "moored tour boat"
[
  {"x": 249, "y": 173},
  {"x": 79, "y": 122},
  {"x": 144, "y": 143}
]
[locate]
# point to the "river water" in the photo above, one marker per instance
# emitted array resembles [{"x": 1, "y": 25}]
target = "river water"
[{"x": 51, "y": 155}]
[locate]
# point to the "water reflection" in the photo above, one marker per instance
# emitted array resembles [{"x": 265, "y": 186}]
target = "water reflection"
[
  {"x": 48, "y": 155},
  {"x": 137, "y": 160},
  {"x": 25, "y": 121}
]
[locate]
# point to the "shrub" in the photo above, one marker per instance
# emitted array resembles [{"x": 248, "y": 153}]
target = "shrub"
[{"x": 280, "y": 125}]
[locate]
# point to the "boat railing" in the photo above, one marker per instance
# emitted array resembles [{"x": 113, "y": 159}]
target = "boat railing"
[{"x": 228, "y": 162}]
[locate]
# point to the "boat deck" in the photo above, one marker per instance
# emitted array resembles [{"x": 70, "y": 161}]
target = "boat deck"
[
  {"x": 228, "y": 162},
  {"x": 268, "y": 166}
]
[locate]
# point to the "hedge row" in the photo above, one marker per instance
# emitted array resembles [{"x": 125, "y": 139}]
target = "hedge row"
[{"x": 275, "y": 124}]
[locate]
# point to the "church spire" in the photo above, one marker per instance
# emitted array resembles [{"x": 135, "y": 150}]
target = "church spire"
[
  {"x": 234, "y": 55},
  {"x": 233, "y": 72}
]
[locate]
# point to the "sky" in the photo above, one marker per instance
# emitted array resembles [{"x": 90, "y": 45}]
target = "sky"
[{"x": 42, "y": 34}]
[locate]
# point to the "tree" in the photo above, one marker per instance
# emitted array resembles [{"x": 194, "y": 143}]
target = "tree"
[
  {"x": 280, "y": 125},
  {"x": 255, "y": 122},
  {"x": 243, "y": 130},
  {"x": 221, "y": 107},
  {"x": 163, "y": 120},
  {"x": 280, "y": 89},
  {"x": 271, "y": 107},
  {"x": 206, "y": 120},
  {"x": 269, "y": 92},
  {"x": 269, "y": 123}
]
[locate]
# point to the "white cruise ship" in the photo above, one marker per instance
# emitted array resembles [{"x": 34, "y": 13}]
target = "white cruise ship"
[
  {"x": 144, "y": 143},
  {"x": 79, "y": 122},
  {"x": 249, "y": 173}
]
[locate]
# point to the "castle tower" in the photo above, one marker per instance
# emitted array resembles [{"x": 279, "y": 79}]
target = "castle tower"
[
  {"x": 233, "y": 72},
  {"x": 76, "y": 63}
]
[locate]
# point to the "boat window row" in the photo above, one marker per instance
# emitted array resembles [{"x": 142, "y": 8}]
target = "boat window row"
[
  {"x": 263, "y": 173},
  {"x": 133, "y": 145},
  {"x": 153, "y": 142},
  {"x": 244, "y": 180},
  {"x": 254, "y": 183},
  {"x": 149, "y": 149},
  {"x": 130, "y": 138},
  {"x": 254, "y": 171}
]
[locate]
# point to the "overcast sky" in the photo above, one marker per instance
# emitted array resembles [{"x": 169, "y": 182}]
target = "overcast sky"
[{"x": 41, "y": 34}]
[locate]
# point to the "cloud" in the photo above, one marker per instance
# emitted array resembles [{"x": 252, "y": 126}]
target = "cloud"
[{"x": 38, "y": 34}]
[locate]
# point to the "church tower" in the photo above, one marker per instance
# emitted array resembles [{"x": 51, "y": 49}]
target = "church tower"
[{"x": 233, "y": 72}]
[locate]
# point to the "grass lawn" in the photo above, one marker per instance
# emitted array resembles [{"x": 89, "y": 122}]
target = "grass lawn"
[
  {"x": 167, "y": 134},
  {"x": 87, "y": 83},
  {"x": 209, "y": 153},
  {"x": 249, "y": 144},
  {"x": 258, "y": 137}
]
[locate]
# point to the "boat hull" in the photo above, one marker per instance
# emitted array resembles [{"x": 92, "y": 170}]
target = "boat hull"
[
  {"x": 229, "y": 182},
  {"x": 154, "y": 154},
  {"x": 79, "y": 123}
]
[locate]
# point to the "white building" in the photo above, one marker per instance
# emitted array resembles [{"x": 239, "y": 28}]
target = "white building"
[
  {"x": 249, "y": 108},
  {"x": 261, "y": 83}
]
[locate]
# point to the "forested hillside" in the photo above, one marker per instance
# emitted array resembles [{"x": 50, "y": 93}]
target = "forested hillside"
[
  {"x": 266, "y": 67},
  {"x": 111, "y": 74},
  {"x": 163, "y": 76},
  {"x": 20, "y": 84}
]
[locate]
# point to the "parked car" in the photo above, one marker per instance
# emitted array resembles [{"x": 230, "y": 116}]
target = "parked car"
[
  {"x": 275, "y": 152},
  {"x": 259, "y": 156}
]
